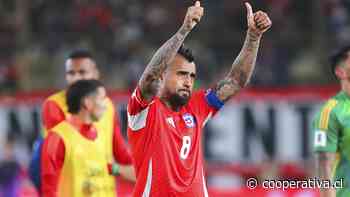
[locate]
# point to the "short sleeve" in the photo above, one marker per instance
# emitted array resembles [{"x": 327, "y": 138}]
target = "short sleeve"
[
  {"x": 138, "y": 110},
  {"x": 205, "y": 104},
  {"x": 52, "y": 114},
  {"x": 120, "y": 150},
  {"x": 326, "y": 129},
  {"x": 52, "y": 159}
]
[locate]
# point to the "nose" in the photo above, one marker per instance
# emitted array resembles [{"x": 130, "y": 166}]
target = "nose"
[
  {"x": 77, "y": 77},
  {"x": 187, "y": 83}
]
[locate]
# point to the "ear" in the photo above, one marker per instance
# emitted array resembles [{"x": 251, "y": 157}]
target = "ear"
[
  {"x": 97, "y": 74},
  {"x": 162, "y": 75},
  {"x": 340, "y": 73}
]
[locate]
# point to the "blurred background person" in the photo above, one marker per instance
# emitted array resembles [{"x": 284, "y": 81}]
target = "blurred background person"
[
  {"x": 81, "y": 65},
  {"x": 13, "y": 178},
  {"x": 74, "y": 157},
  {"x": 330, "y": 129}
]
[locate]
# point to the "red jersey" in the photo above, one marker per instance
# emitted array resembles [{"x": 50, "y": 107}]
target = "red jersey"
[{"x": 166, "y": 145}]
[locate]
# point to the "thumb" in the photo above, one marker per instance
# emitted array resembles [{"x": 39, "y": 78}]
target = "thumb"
[{"x": 249, "y": 12}]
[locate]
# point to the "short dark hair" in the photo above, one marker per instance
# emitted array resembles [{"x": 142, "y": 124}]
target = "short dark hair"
[
  {"x": 339, "y": 56},
  {"x": 78, "y": 91},
  {"x": 186, "y": 53},
  {"x": 80, "y": 53}
]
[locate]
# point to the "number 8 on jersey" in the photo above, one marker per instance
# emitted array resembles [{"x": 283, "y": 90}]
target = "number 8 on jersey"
[{"x": 185, "y": 149}]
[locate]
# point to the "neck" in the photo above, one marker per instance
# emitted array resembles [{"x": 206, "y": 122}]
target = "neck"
[
  {"x": 345, "y": 86},
  {"x": 82, "y": 118},
  {"x": 170, "y": 105}
]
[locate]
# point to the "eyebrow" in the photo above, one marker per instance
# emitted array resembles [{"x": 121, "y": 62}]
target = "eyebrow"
[
  {"x": 186, "y": 72},
  {"x": 75, "y": 71},
  {"x": 69, "y": 71}
]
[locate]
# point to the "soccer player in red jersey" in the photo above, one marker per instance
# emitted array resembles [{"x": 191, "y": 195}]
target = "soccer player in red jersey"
[
  {"x": 165, "y": 119},
  {"x": 75, "y": 147},
  {"x": 79, "y": 65}
]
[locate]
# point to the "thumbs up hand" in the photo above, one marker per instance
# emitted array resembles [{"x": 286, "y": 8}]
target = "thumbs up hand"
[
  {"x": 193, "y": 16},
  {"x": 258, "y": 22}
]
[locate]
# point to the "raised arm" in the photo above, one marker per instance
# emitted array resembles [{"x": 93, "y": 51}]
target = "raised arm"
[
  {"x": 243, "y": 66},
  {"x": 325, "y": 165},
  {"x": 149, "y": 82}
]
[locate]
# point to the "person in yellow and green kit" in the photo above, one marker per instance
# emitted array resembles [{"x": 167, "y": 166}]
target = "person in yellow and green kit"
[{"x": 331, "y": 130}]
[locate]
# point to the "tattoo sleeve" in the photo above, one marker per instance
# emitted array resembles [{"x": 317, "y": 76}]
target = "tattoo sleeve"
[
  {"x": 241, "y": 70},
  {"x": 324, "y": 166},
  {"x": 149, "y": 82}
]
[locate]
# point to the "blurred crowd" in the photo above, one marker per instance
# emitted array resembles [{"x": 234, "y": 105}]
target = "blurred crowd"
[{"x": 36, "y": 35}]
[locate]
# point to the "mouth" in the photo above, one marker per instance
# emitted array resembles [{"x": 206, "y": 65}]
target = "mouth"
[{"x": 184, "y": 91}]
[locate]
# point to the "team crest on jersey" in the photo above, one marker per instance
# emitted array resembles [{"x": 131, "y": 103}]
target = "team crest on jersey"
[
  {"x": 320, "y": 139},
  {"x": 170, "y": 121},
  {"x": 189, "y": 120}
]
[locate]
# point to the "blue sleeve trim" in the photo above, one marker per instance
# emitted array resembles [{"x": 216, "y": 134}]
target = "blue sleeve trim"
[
  {"x": 213, "y": 100},
  {"x": 34, "y": 166}
]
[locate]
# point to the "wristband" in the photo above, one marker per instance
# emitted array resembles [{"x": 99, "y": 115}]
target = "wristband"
[{"x": 115, "y": 169}]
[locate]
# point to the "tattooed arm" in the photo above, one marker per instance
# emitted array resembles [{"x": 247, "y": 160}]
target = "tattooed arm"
[
  {"x": 149, "y": 82},
  {"x": 324, "y": 165},
  {"x": 243, "y": 66}
]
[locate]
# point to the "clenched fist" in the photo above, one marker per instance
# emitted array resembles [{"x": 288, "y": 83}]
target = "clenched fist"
[
  {"x": 258, "y": 22},
  {"x": 193, "y": 16}
]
